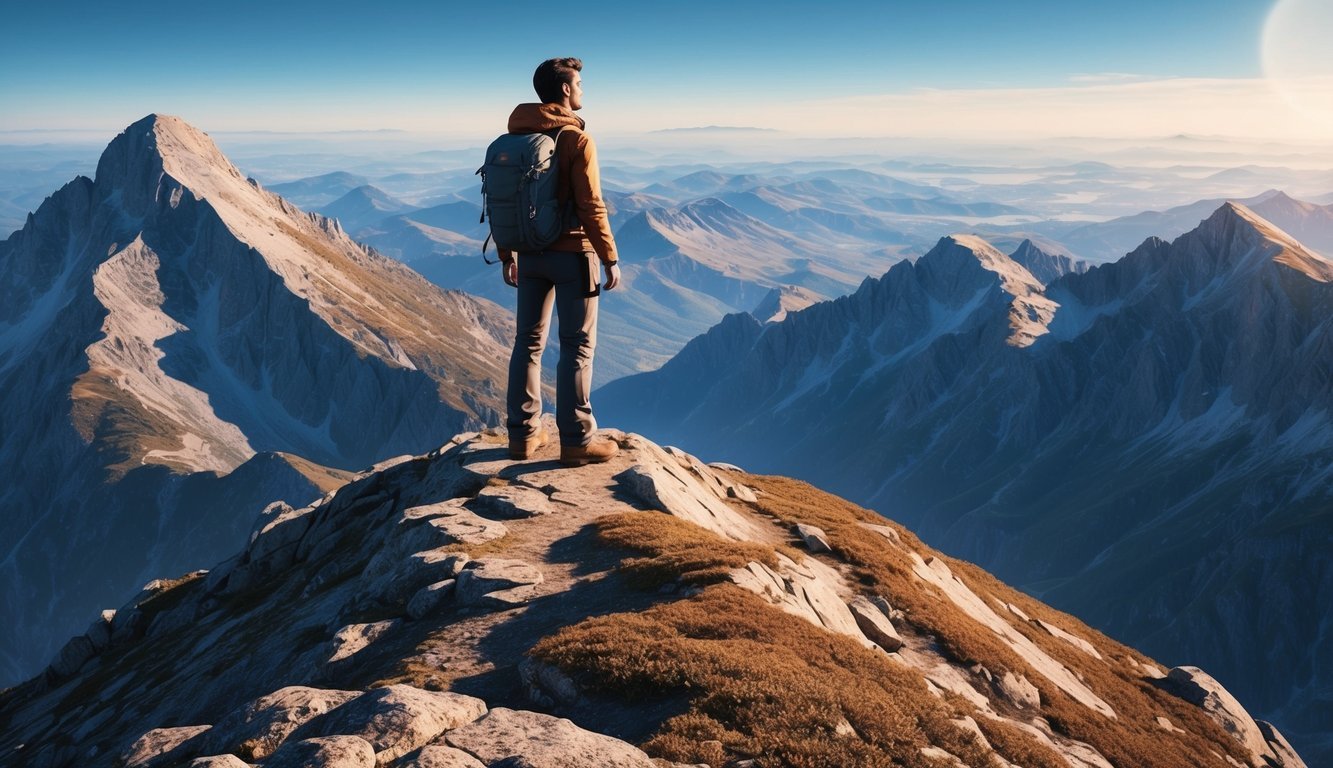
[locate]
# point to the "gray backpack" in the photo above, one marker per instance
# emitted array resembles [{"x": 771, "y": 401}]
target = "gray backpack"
[{"x": 518, "y": 192}]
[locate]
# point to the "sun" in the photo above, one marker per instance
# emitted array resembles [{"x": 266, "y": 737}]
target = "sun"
[{"x": 1298, "y": 58}]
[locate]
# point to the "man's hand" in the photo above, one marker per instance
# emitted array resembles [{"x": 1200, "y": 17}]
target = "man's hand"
[
  {"x": 612, "y": 276},
  {"x": 510, "y": 272}
]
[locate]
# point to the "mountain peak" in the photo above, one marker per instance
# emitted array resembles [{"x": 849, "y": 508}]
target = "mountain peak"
[
  {"x": 1014, "y": 277},
  {"x": 1046, "y": 263},
  {"x": 135, "y": 161},
  {"x": 1251, "y": 239},
  {"x": 960, "y": 265},
  {"x": 783, "y": 300}
]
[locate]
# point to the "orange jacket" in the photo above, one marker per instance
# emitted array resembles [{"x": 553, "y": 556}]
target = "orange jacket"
[{"x": 579, "y": 179}]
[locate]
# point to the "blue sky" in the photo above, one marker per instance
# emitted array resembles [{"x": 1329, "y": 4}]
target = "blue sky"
[{"x": 415, "y": 66}]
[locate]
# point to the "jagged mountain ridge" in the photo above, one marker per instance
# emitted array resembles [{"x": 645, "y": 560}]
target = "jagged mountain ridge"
[
  {"x": 1088, "y": 467},
  {"x": 1309, "y": 223},
  {"x": 448, "y": 608},
  {"x": 364, "y": 206},
  {"x": 170, "y": 325}
]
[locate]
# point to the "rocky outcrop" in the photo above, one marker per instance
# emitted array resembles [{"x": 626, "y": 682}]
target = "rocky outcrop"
[
  {"x": 325, "y": 643},
  {"x": 325, "y": 751},
  {"x": 542, "y": 741},
  {"x": 255, "y": 730},
  {"x": 395, "y": 720},
  {"x": 1199, "y": 688},
  {"x": 164, "y": 746}
]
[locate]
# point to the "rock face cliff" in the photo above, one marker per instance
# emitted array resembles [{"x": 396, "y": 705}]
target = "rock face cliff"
[
  {"x": 460, "y": 609},
  {"x": 176, "y": 342},
  {"x": 1147, "y": 444}
]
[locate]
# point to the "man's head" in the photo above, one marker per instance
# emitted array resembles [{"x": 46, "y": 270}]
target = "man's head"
[{"x": 557, "y": 81}]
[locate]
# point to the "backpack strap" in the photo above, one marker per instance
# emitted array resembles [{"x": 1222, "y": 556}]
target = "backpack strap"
[
  {"x": 568, "y": 213},
  {"x": 485, "y": 243}
]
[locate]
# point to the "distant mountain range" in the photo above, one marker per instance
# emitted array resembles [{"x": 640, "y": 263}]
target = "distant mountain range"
[
  {"x": 1147, "y": 444},
  {"x": 700, "y": 245},
  {"x": 1107, "y": 241},
  {"x": 178, "y": 348},
  {"x": 364, "y": 206}
]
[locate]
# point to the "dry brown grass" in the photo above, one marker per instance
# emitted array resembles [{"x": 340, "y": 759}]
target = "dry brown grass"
[
  {"x": 760, "y": 683},
  {"x": 1134, "y": 739},
  {"x": 418, "y": 674},
  {"x": 124, "y": 429},
  {"x": 324, "y": 478},
  {"x": 763, "y": 684},
  {"x": 676, "y": 550},
  {"x": 505, "y": 543},
  {"x": 172, "y": 593}
]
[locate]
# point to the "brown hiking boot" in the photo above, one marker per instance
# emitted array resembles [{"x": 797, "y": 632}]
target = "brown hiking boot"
[
  {"x": 593, "y": 453},
  {"x": 520, "y": 449}
]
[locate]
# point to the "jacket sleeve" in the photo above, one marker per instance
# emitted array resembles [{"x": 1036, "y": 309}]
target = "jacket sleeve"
[{"x": 588, "y": 203}]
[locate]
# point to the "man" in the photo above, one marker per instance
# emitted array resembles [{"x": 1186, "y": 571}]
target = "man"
[{"x": 566, "y": 273}]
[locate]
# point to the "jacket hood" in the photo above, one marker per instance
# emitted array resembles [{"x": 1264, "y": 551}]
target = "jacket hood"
[{"x": 535, "y": 118}]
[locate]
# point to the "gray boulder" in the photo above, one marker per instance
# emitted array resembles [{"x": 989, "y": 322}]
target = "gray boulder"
[
  {"x": 354, "y": 638},
  {"x": 511, "y": 502},
  {"x": 410, "y": 572},
  {"x": 162, "y": 747},
  {"x": 257, "y": 729},
  {"x": 875, "y": 624},
  {"x": 278, "y": 530},
  {"x": 543, "y": 741},
  {"x": 546, "y": 684},
  {"x": 219, "y": 761},
  {"x": 429, "y": 598},
  {"x": 324, "y": 752},
  {"x": 1281, "y": 748},
  {"x": 1200, "y": 689},
  {"x": 397, "y": 719},
  {"x": 436, "y": 756},
  {"x": 485, "y": 577},
  {"x": 814, "y": 537},
  {"x": 1017, "y": 690},
  {"x": 662, "y": 483}
]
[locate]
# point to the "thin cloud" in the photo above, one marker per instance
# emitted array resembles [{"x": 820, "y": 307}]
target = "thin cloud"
[
  {"x": 1248, "y": 108},
  {"x": 1099, "y": 78}
]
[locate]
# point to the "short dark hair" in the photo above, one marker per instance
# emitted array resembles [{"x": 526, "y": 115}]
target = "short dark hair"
[{"x": 553, "y": 73}]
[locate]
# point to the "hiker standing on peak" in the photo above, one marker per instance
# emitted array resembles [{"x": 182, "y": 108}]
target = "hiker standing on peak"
[{"x": 564, "y": 273}]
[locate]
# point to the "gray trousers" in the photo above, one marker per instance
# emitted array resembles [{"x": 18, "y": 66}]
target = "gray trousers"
[{"x": 570, "y": 281}]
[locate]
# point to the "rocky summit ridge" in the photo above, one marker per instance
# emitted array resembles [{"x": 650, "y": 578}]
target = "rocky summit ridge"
[{"x": 461, "y": 609}]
